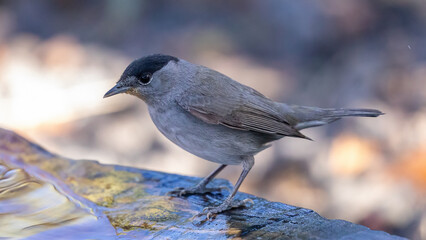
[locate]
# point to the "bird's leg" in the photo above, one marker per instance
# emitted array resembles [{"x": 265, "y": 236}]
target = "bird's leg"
[
  {"x": 200, "y": 188},
  {"x": 228, "y": 203}
]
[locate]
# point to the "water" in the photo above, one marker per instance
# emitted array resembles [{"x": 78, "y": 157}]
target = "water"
[{"x": 35, "y": 208}]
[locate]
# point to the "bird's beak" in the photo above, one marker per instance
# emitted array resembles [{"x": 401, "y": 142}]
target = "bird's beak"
[{"x": 116, "y": 90}]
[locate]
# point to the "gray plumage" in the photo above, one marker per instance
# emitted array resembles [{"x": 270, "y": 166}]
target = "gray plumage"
[{"x": 215, "y": 117}]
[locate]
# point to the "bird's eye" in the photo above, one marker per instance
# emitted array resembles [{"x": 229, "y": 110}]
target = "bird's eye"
[{"x": 145, "y": 78}]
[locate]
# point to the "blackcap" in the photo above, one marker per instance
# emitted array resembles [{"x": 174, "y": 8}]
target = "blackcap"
[{"x": 216, "y": 118}]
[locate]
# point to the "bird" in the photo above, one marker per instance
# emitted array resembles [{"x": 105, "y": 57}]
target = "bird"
[{"x": 217, "y": 118}]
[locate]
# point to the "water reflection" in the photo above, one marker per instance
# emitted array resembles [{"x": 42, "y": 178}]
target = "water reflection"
[{"x": 30, "y": 206}]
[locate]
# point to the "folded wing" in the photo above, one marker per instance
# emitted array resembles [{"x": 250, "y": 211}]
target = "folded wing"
[{"x": 237, "y": 107}]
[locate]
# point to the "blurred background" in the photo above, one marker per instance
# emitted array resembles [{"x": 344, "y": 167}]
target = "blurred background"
[{"x": 58, "y": 58}]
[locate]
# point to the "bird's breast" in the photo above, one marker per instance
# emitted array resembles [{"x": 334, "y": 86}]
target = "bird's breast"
[{"x": 212, "y": 142}]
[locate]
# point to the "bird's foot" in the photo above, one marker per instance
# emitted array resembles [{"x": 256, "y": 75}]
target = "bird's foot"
[
  {"x": 194, "y": 190},
  {"x": 211, "y": 212}
]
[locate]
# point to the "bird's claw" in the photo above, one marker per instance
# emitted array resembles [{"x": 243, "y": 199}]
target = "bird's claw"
[
  {"x": 245, "y": 201},
  {"x": 211, "y": 212},
  {"x": 194, "y": 190},
  {"x": 176, "y": 192}
]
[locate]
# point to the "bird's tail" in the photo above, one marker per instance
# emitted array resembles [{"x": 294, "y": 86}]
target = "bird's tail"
[{"x": 306, "y": 117}]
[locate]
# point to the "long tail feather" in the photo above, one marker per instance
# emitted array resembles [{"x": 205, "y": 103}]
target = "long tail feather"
[{"x": 307, "y": 117}]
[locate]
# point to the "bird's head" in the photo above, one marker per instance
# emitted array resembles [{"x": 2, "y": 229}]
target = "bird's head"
[{"x": 145, "y": 77}]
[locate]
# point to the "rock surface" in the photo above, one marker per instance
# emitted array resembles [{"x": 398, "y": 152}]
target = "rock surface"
[{"x": 45, "y": 196}]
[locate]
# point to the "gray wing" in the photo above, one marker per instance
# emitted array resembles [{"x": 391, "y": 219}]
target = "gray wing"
[{"x": 229, "y": 103}]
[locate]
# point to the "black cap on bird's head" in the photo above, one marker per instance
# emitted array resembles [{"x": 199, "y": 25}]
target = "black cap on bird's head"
[{"x": 139, "y": 73}]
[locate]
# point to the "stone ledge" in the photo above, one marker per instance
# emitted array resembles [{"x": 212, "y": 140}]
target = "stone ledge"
[{"x": 43, "y": 195}]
